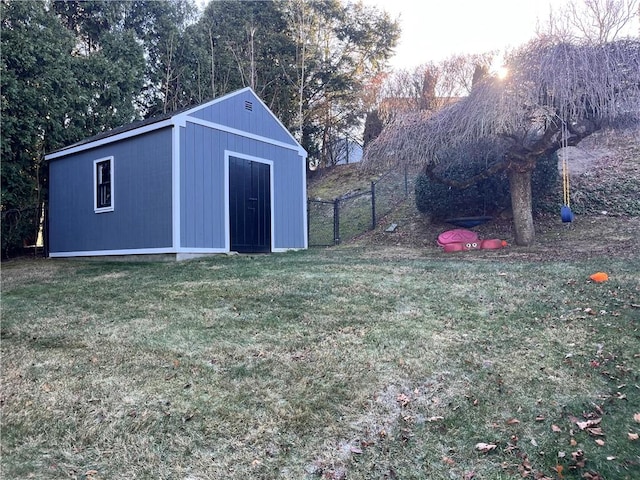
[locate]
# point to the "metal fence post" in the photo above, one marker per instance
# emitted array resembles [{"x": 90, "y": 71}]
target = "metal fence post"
[
  {"x": 336, "y": 222},
  {"x": 308, "y": 222},
  {"x": 406, "y": 182},
  {"x": 373, "y": 205}
]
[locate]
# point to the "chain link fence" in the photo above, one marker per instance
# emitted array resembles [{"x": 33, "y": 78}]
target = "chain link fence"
[{"x": 334, "y": 221}]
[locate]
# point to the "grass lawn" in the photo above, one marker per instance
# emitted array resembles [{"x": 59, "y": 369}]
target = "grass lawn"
[{"x": 343, "y": 363}]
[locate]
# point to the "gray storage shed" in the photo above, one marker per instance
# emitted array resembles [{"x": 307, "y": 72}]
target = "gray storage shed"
[{"x": 221, "y": 177}]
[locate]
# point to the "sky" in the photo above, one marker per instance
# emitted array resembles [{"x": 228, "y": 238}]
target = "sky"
[{"x": 436, "y": 30}]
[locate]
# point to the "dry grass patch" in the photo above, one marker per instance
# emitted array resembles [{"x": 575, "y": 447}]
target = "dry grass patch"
[{"x": 348, "y": 362}]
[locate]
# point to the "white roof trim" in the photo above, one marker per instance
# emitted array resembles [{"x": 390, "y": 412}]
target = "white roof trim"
[
  {"x": 243, "y": 133},
  {"x": 197, "y": 108}
]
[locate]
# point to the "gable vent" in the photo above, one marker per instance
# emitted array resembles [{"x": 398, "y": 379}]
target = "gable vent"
[{"x": 248, "y": 105}]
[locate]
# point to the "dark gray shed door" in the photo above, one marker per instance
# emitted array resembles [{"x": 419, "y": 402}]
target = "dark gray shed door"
[{"x": 249, "y": 206}]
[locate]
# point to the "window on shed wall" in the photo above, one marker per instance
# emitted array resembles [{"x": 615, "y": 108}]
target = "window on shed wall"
[{"x": 103, "y": 185}]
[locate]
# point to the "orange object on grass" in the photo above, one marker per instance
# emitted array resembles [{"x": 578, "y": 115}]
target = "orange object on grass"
[{"x": 599, "y": 277}]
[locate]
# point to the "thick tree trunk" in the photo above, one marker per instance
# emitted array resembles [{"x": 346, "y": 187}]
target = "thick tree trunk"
[{"x": 521, "y": 205}]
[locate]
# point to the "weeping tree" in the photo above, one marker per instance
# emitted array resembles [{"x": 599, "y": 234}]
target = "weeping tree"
[{"x": 555, "y": 95}]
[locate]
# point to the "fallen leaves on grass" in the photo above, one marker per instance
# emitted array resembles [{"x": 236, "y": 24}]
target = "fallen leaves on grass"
[
  {"x": 187, "y": 417},
  {"x": 632, "y": 436},
  {"x": 636, "y": 417},
  {"x": 588, "y": 424},
  {"x": 592, "y": 427},
  {"x": 596, "y": 432},
  {"x": 485, "y": 447},
  {"x": 578, "y": 459},
  {"x": 556, "y": 428},
  {"x": 558, "y": 469},
  {"x": 449, "y": 461},
  {"x": 525, "y": 469},
  {"x": 592, "y": 476},
  {"x": 513, "y": 445}
]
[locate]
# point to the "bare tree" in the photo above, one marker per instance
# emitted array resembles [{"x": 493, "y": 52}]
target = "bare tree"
[
  {"x": 593, "y": 21},
  {"x": 427, "y": 87},
  {"x": 459, "y": 72},
  {"x": 601, "y": 21},
  {"x": 407, "y": 90},
  {"x": 556, "y": 94}
]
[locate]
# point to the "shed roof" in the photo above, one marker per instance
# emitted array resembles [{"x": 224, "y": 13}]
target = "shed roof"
[
  {"x": 121, "y": 129},
  {"x": 152, "y": 123}
]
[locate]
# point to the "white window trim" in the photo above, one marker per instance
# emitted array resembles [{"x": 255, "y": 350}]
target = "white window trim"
[{"x": 95, "y": 185}]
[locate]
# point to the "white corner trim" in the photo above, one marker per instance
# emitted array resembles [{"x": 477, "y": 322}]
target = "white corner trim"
[
  {"x": 305, "y": 206},
  {"x": 175, "y": 187}
]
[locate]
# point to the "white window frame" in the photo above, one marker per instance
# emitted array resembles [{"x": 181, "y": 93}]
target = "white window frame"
[{"x": 109, "y": 208}]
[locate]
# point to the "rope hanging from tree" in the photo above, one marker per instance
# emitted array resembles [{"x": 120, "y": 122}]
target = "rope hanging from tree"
[{"x": 565, "y": 212}]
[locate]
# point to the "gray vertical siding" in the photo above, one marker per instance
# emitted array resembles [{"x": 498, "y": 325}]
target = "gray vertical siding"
[
  {"x": 142, "y": 197},
  {"x": 201, "y": 188},
  {"x": 289, "y": 198},
  {"x": 203, "y": 222},
  {"x": 232, "y": 113}
]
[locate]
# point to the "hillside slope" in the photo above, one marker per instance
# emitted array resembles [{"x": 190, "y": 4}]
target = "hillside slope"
[{"x": 605, "y": 186}]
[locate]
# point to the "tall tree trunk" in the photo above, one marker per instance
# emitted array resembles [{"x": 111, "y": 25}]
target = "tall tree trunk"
[
  {"x": 212, "y": 44},
  {"x": 521, "y": 204}
]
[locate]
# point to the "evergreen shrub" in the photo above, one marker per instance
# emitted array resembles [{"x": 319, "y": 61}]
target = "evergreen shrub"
[{"x": 487, "y": 197}]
